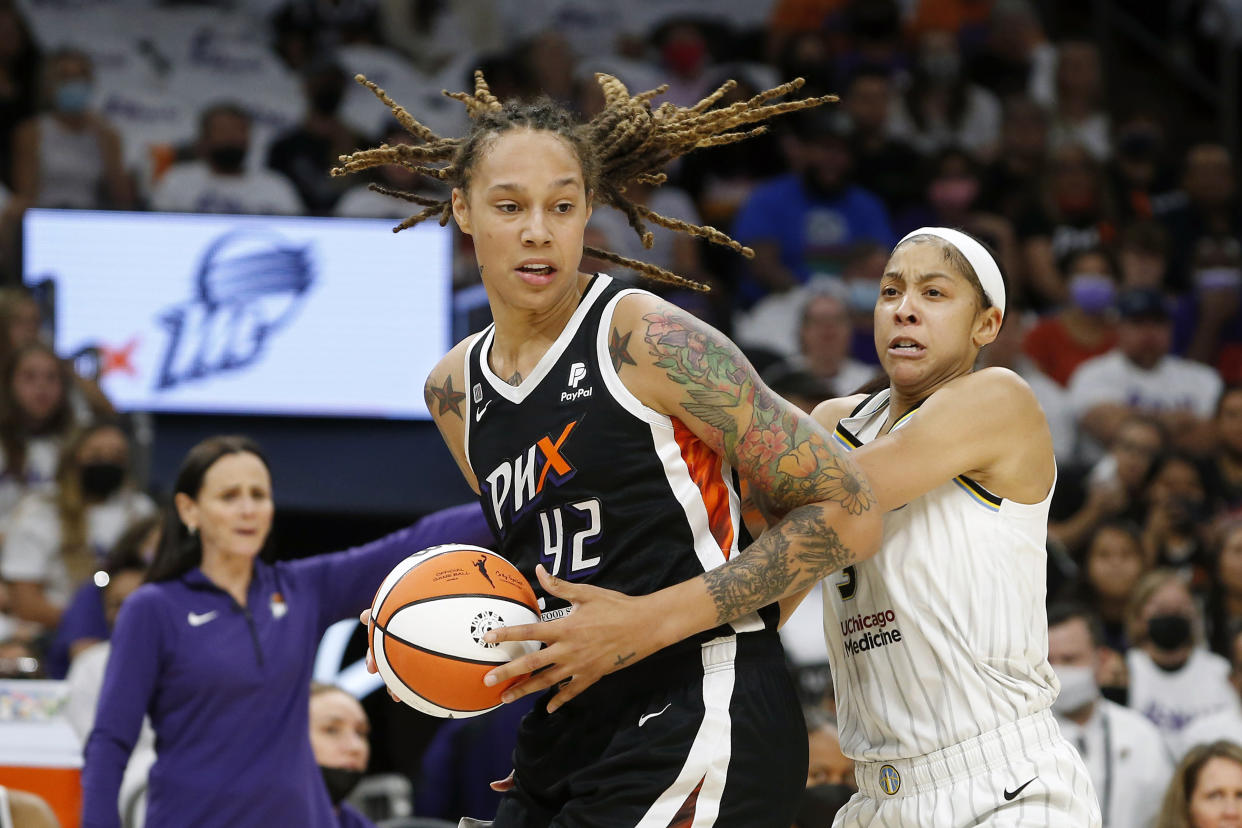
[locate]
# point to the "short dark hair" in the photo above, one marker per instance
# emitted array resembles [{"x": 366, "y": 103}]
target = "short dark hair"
[
  {"x": 1062, "y": 612},
  {"x": 221, "y": 108}
]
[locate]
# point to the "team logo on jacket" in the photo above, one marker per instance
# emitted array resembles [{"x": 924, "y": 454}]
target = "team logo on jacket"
[
  {"x": 278, "y": 605},
  {"x": 516, "y": 484}
]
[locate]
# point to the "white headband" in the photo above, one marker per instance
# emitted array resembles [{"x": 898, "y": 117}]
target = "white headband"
[{"x": 978, "y": 256}]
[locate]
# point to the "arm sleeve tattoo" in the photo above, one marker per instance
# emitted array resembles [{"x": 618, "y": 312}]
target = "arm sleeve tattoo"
[{"x": 791, "y": 467}]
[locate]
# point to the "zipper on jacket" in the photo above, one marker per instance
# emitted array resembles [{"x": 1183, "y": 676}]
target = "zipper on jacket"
[{"x": 254, "y": 634}]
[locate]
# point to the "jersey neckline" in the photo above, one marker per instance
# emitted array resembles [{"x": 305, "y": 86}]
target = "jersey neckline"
[{"x": 518, "y": 393}]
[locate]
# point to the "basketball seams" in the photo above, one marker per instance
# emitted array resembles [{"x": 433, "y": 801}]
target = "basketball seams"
[
  {"x": 437, "y": 653},
  {"x": 485, "y": 595},
  {"x": 422, "y": 582},
  {"x": 439, "y": 709}
]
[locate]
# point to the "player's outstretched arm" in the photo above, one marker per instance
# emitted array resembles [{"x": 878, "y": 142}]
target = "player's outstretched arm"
[
  {"x": 685, "y": 369},
  {"x": 986, "y": 425}
]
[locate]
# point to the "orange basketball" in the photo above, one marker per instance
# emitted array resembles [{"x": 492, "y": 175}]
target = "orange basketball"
[{"x": 427, "y": 625}]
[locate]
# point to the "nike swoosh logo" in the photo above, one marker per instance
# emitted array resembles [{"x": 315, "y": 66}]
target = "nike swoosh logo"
[
  {"x": 479, "y": 412},
  {"x": 199, "y": 619},
  {"x": 1011, "y": 795},
  {"x": 642, "y": 720}
]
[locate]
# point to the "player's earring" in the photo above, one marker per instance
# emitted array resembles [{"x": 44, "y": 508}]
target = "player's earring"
[{"x": 193, "y": 530}]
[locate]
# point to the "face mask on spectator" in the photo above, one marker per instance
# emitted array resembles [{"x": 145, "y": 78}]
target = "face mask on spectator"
[
  {"x": 1092, "y": 292},
  {"x": 1077, "y": 203},
  {"x": 1078, "y": 689},
  {"x": 1116, "y": 693},
  {"x": 1169, "y": 632},
  {"x": 73, "y": 96},
  {"x": 102, "y": 479},
  {"x": 862, "y": 294},
  {"x": 326, "y": 98},
  {"x": 340, "y": 782},
  {"x": 1218, "y": 278},
  {"x": 684, "y": 57},
  {"x": 227, "y": 158}
]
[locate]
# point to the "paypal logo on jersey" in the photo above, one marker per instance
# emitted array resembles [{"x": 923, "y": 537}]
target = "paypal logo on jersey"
[
  {"x": 577, "y": 373},
  {"x": 515, "y": 484},
  {"x": 248, "y": 285}
]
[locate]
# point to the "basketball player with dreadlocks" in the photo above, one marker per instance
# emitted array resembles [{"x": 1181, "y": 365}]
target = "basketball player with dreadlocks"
[
  {"x": 939, "y": 642},
  {"x": 605, "y": 431}
]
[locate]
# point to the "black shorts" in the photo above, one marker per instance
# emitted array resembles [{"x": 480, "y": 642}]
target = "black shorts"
[{"x": 713, "y": 732}]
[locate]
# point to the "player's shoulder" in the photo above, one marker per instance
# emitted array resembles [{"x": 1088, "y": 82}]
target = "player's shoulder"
[
  {"x": 635, "y": 305},
  {"x": 451, "y": 364},
  {"x": 996, "y": 393},
  {"x": 830, "y": 412}
]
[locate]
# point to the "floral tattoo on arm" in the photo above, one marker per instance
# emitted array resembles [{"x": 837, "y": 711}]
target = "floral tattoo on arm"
[{"x": 791, "y": 468}]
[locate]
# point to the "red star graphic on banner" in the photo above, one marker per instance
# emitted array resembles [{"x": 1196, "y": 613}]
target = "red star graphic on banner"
[{"x": 118, "y": 359}]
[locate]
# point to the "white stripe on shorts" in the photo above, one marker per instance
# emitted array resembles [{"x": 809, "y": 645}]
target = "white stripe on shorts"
[{"x": 708, "y": 759}]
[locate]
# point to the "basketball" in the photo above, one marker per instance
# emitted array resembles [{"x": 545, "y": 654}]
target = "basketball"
[{"x": 428, "y": 620}]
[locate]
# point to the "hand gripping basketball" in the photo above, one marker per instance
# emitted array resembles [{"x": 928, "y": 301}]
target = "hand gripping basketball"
[{"x": 595, "y": 639}]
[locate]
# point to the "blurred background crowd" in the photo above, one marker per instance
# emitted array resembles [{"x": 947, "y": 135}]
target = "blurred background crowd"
[{"x": 1093, "y": 146}]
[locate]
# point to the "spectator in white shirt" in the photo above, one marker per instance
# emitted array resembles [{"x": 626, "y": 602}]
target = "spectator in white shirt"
[
  {"x": 1174, "y": 680},
  {"x": 1227, "y": 723},
  {"x": 60, "y": 534},
  {"x": 220, "y": 181},
  {"x": 1125, "y": 754},
  {"x": 1141, "y": 376},
  {"x": 36, "y": 418},
  {"x": 942, "y": 108}
]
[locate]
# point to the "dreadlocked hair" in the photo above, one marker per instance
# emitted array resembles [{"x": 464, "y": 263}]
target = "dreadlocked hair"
[{"x": 627, "y": 142}]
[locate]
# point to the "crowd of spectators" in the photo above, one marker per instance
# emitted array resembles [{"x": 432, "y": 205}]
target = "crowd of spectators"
[{"x": 1114, "y": 212}]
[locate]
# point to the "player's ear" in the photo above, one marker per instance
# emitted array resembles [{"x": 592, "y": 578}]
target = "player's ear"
[
  {"x": 987, "y": 326},
  {"x": 187, "y": 509},
  {"x": 590, "y": 202},
  {"x": 461, "y": 210}
]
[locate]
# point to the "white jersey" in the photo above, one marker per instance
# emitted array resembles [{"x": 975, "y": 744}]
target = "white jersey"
[{"x": 942, "y": 636}]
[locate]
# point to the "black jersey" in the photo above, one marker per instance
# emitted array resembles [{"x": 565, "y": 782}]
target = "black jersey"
[{"x": 577, "y": 474}]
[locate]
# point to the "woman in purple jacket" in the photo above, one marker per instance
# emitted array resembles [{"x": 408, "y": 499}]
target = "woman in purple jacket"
[{"x": 217, "y": 648}]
